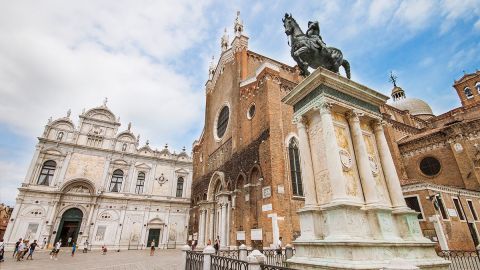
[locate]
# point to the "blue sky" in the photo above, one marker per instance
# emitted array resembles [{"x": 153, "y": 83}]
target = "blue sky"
[{"x": 151, "y": 59}]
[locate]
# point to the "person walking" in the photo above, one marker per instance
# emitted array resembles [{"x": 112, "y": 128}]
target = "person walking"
[
  {"x": 21, "y": 248},
  {"x": 32, "y": 249},
  {"x": 44, "y": 243},
  {"x": 2, "y": 249},
  {"x": 152, "y": 248},
  {"x": 74, "y": 248},
  {"x": 217, "y": 244},
  {"x": 104, "y": 250},
  {"x": 56, "y": 250},
  {"x": 85, "y": 246},
  {"x": 15, "y": 250}
]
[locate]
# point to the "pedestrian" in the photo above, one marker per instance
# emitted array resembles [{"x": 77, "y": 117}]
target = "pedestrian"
[
  {"x": 217, "y": 244},
  {"x": 85, "y": 246},
  {"x": 32, "y": 249},
  {"x": 2, "y": 249},
  {"x": 279, "y": 245},
  {"x": 15, "y": 250},
  {"x": 104, "y": 250},
  {"x": 152, "y": 248},
  {"x": 21, "y": 248},
  {"x": 194, "y": 244},
  {"x": 74, "y": 248},
  {"x": 209, "y": 243},
  {"x": 69, "y": 240},
  {"x": 56, "y": 250},
  {"x": 44, "y": 243}
]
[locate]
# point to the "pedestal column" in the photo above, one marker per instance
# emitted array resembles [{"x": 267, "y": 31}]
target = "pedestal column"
[
  {"x": 223, "y": 224},
  {"x": 306, "y": 163},
  {"x": 363, "y": 162},
  {"x": 337, "y": 181},
  {"x": 201, "y": 228},
  {"x": 389, "y": 170}
]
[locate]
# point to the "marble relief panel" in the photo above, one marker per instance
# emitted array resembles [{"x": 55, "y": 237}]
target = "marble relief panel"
[
  {"x": 86, "y": 166},
  {"x": 376, "y": 168},
  {"x": 349, "y": 168}
]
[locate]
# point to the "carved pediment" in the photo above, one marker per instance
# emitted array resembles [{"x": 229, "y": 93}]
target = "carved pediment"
[
  {"x": 120, "y": 162},
  {"x": 143, "y": 166},
  {"x": 79, "y": 189},
  {"x": 181, "y": 171}
]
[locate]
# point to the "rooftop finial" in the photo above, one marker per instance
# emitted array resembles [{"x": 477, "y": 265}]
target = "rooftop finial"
[
  {"x": 224, "y": 41},
  {"x": 68, "y": 113},
  {"x": 105, "y": 102},
  {"x": 238, "y": 26},
  {"x": 129, "y": 125},
  {"x": 147, "y": 142},
  {"x": 393, "y": 79},
  {"x": 211, "y": 69}
]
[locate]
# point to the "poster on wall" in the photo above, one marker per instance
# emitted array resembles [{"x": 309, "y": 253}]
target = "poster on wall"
[
  {"x": 31, "y": 231},
  {"x": 240, "y": 235},
  {"x": 452, "y": 212},
  {"x": 256, "y": 234}
]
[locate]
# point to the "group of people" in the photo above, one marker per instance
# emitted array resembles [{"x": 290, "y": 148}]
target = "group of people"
[{"x": 22, "y": 247}]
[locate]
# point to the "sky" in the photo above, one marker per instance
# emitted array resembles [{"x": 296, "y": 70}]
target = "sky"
[{"x": 151, "y": 59}]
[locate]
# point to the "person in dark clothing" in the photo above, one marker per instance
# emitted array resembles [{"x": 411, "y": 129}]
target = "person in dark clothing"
[
  {"x": 32, "y": 249},
  {"x": 16, "y": 247}
]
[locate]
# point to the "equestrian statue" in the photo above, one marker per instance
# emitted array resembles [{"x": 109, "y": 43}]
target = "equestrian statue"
[{"x": 309, "y": 50}]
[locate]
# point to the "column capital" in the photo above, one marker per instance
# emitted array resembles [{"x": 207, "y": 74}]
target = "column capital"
[
  {"x": 378, "y": 124},
  {"x": 324, "y": 107},
  {"x": 353, "y": 115},
  {"x": 300, "y": 121}
]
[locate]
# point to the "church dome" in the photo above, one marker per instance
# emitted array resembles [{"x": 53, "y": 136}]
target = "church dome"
[{"x": 415, "y": 106}]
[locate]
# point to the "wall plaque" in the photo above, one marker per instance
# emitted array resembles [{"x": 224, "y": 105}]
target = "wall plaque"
[
  {"x": 267, "y": 207},
  {"x": 240, "y": 235},
  {"x": 266, "y": 192},
  {"x": 256, "y": 234},
  {"x": 346, "y": 159}
]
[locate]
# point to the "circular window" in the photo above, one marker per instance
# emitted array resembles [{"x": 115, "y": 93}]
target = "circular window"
[
  {"x": 222, "y": 121},
  {"x": 251, "y": 111},
  {"x": 430, "y": 166}
]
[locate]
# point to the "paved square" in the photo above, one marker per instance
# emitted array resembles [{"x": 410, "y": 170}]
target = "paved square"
[{"x": 124, "y": 260}]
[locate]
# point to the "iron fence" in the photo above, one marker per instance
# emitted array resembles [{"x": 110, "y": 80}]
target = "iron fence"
[
  {"x": 274, "y": 267},
  {"x": 224, "y": 263},
  {"x": 274, "y": 257},
  {"x": 194, "y": 261},
  {"x": 461, "y": 259}
]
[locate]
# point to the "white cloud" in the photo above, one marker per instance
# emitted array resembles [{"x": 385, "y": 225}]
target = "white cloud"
[
  {"x": 11, "y": 177},
  {"x": 61, "y": 55}
]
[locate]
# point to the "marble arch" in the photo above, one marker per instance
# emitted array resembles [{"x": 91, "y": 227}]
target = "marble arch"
[
  {"x": 78, "y": 182},
  {"x": 217, "y": 177}
]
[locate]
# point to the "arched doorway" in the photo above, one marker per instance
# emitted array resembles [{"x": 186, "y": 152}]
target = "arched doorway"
[{"x": 69, "y": 226}]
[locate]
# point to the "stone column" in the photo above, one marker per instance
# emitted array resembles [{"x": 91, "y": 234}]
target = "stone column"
[
  {"x": 211, "y": 224},
  {"x": 31, "y": 169},
  {"x": 361, "y": 156},
  {"x": 389, "y": 170},
  {"x": 306, "y": 163},
  {"x": 201, "y": 228},
  {"x": 227, "y": 228},
  {"x": 89, "y": 219},
  {"x": 335, "y": 170},
  {"x": 223, "y": 224}
]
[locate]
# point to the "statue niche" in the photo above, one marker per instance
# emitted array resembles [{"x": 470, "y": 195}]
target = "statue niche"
[{"x": 309, "y": 50}]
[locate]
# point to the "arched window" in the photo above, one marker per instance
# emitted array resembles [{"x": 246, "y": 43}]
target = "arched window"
[
  {"x": 140, "y": 183},
  {"x": 477, "y": 85},
  {"x": 295, "y": 171},
  {"x": 117, "y": 179},
  {"x": 468, "y": 92},
  {"x": 46, "y": 175},
  {"x": 180, "y": 187},
  {"x": 60, "y": 136}
]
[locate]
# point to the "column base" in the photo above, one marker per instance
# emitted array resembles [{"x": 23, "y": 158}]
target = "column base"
[{"x": 367, "y": 254}]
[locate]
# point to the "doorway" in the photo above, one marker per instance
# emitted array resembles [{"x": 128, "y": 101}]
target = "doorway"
[
  {"x": 69, "y": 227},
  {"x": 153, "y": 235}
]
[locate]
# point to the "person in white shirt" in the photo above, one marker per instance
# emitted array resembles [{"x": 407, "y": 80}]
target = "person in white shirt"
[
  {"x": 279, "y": 246},
  {"x": 58, "y": 245}
]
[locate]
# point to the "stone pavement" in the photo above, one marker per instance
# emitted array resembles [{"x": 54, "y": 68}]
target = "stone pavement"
[{"x": 94, "y": 260}]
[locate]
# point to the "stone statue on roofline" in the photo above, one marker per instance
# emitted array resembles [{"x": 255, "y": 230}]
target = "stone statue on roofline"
[{"x": 309, "y": 50}]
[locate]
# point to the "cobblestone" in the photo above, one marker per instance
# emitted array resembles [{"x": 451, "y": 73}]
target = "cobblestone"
[{"x": 94, "y": 260}]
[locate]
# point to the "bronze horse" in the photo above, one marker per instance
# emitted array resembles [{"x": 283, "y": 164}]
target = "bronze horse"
[{"x": 307, "y": 52}]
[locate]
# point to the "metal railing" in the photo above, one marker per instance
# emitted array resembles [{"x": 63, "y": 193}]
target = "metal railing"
[
  {"x": 274, "y": 267},
  {"x": 274, "y": 257},
  {"x": 461, "y": 259},
  {"x": 194, "y": 261},
  {"x": 225, "y": 263}
]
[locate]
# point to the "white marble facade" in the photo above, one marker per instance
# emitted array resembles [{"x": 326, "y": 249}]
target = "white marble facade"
[{"x": 93, "y": 182}]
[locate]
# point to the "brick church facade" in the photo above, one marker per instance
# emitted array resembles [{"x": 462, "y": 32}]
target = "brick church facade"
[{"x": 247, "y": 183}]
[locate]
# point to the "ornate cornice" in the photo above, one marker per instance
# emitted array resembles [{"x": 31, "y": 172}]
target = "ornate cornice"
[{"x": 440, "y": 188}]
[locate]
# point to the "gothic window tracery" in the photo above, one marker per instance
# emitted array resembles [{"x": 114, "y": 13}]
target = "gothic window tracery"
[
  {"x": 477, "y": 85},
  {"x": 46, "y": 175},
  {"x": 117, "y": 179},
  {"x": 295, "y": 171},
  {"x": 140, "y": 183}
]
